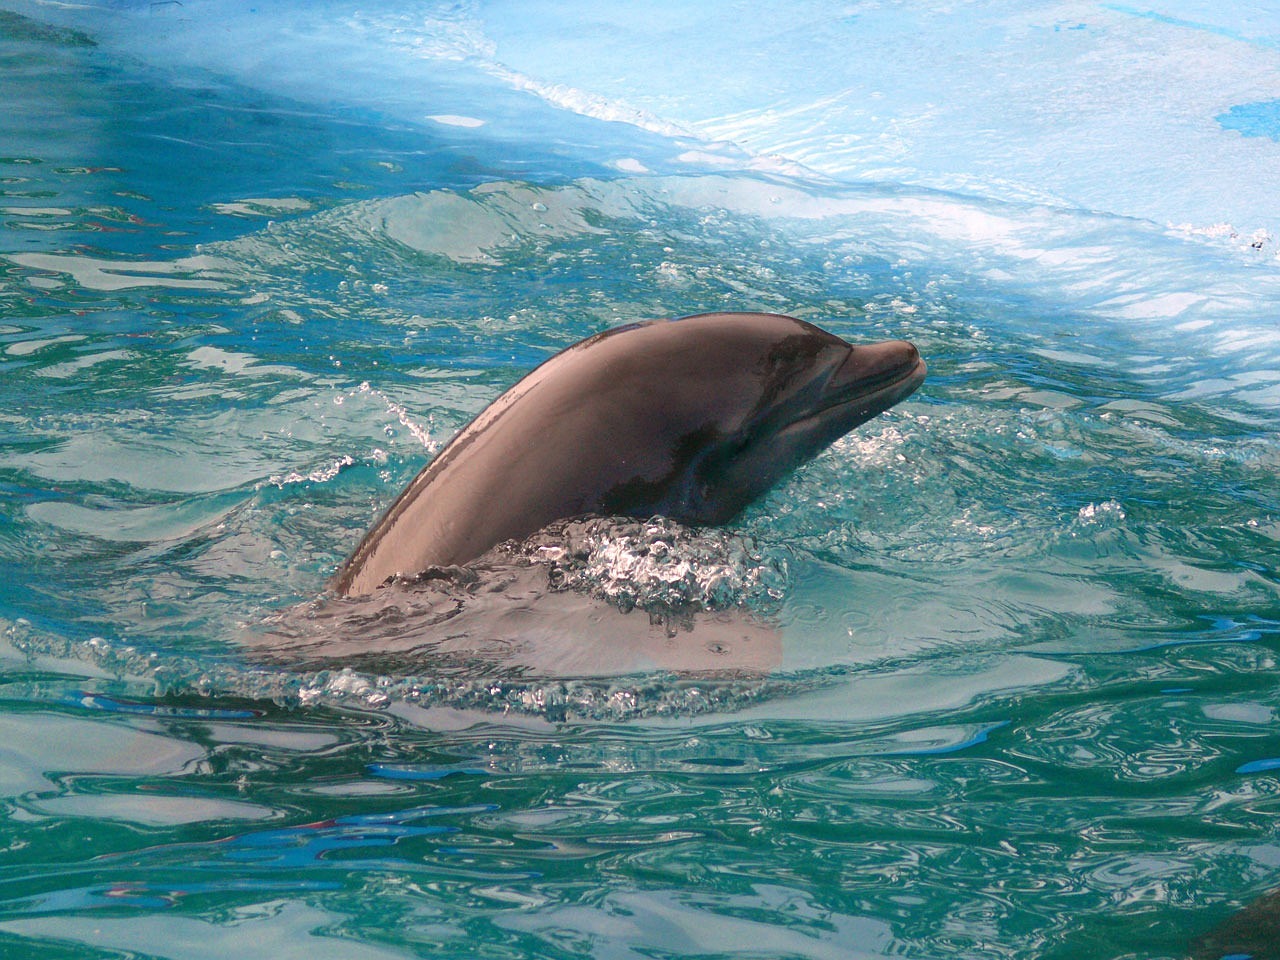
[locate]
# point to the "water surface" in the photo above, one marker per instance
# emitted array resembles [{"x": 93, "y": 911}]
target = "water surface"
[{"x": 1028, "y": 621}]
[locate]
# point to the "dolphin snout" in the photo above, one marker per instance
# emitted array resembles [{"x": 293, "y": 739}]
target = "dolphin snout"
[{"x": 873, "y": 367}]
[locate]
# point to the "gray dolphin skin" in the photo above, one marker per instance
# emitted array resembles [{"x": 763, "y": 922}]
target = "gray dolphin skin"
[{"x": 690, "y": 419}]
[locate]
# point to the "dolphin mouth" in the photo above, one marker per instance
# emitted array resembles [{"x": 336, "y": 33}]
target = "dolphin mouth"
[
  {"x": 871, "y": 379},
  {"x": 876, "y": 377}
]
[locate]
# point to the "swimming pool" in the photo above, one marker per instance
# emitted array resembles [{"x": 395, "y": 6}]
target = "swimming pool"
[{"x": 258, "y": 264}]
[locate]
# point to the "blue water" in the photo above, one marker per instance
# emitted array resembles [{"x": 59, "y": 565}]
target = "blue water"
[
  {"x": 1254, "y": 119},
  {"x": 258, "y": 264}
]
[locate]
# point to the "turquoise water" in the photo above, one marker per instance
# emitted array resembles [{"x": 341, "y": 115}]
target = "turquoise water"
[{"x": 1025, "y": 696}]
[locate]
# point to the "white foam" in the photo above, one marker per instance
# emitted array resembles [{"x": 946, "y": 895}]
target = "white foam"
[
  {"x": 417, "y": 430},
  {"x": 321, "y": 474},
  {"x": 1098, "y": 512}
]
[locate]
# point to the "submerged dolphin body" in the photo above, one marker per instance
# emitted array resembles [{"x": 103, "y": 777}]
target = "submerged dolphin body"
[
  {"x": 1251, "y": 934},
  {"x": 690, "y": 419}
]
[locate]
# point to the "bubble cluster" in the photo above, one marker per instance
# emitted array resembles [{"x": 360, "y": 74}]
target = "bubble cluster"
[{"x": 657, "y": 564}]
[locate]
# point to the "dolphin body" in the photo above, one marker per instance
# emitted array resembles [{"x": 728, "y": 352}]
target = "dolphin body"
[
  {"x": 691, "y": 419},
  {"x": 1251, "y": 934}
]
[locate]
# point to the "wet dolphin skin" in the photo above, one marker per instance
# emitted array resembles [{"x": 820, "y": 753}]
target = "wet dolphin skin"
[{"x": 690, "y": 419}]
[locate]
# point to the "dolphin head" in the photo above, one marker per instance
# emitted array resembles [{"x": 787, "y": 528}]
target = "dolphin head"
[{"x": 809, "y": 388}]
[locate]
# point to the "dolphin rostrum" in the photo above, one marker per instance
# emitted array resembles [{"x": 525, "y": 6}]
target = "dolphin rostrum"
[{"x": 691, "y": 419}]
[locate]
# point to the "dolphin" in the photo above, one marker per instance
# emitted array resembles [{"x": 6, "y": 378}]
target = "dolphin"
[
  {"x": 1251, "y": 934},
  {"x": 692, "y": 419}
]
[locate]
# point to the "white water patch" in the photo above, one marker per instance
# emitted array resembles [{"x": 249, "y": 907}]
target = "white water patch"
[
  {"x": 875, "y": 447},
  {"x": 25, "y": 348},
  {"x": 37, "y": 211},
  {"x": 237, "y": 364},
  {"x": 93, "y": 273},
  {"x": 588, "y": 104},
  {"x": 453, "y": 120},
  {"x": 153, "y": 810},
  {"x": 284, "y": 929},
  {"x": 84, "y": 747},
  {"x": 473, "y": 228},
  {"x": 262, "y": 206},
  {"x": 71, "y": 369},
  {"x": 630, "y": 165}
]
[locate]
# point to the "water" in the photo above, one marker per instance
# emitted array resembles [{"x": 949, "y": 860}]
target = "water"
[{"x": 1022, "y": 701}]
